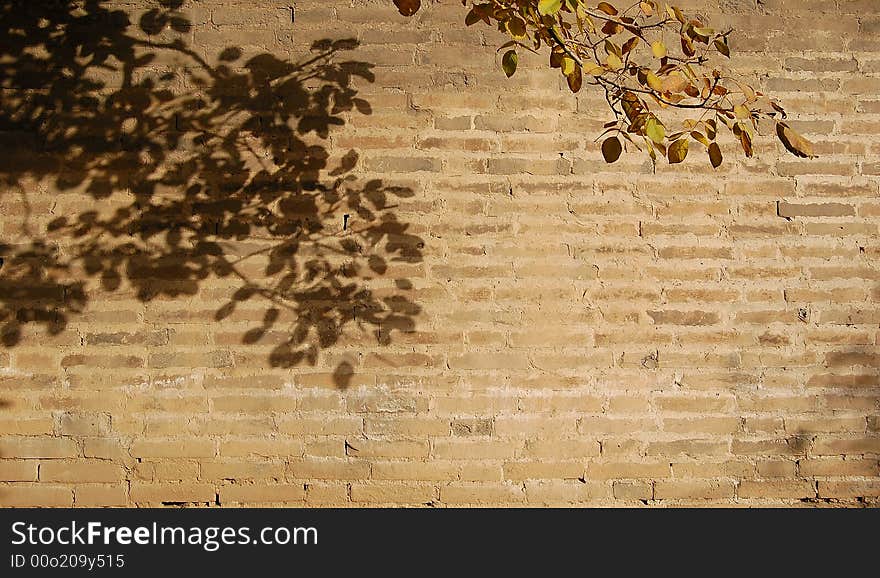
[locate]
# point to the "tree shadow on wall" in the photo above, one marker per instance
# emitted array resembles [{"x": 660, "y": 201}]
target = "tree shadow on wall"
[{"x": 168, "y": 176}]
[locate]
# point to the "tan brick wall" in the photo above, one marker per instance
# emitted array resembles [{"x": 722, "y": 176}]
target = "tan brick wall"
[{"x": 541, "y": 328}]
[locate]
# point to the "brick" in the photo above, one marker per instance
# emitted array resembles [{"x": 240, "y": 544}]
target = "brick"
[
  {"x": 633, "y": 490},
  {"x": 378, "y": 493},
  {"x": 456, "y": 494},
  {"x": 96, "y": 496},
  {"x": 670, "y": 317},
  {"x": 94, "y": 471},
  {"x": 169, "y": 494},
  {"x": 693, "y": 490},
  {"x": 849, "y": 489},
  {"x": 815, "y": 210},
  {"x": 18, "y": 470},
  {"x": 559, "y": 493},
  {"x": 792, "y": 489},
  {"x": 329, "y": 470},
  {"x": 35, "y": 495},
  {"x": 38, "y": 447},
  {"x": 171, "y": 448},
  {"x": 256, "y": 494}
]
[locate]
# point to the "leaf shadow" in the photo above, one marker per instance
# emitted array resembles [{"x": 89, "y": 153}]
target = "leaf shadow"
[{"x": 170, "y": 179}]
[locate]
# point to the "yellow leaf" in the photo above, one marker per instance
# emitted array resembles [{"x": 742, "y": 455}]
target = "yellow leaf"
[
  {"x": 699, "y": 137},
  {"x": 655, "y": 131},
  {"x": 795, "y": 143},
  {"x": 742, "y": 112},
  {"x": 676, "y": 13},
  {"x": 567, "y": 65},
  {"x": 654, "y": 82},
  {"x": 593, "y": 69},
  {"x": 549, "y": 7},
  {"x": 614, "y": 63},
  {"x": 658, "y": 48}
]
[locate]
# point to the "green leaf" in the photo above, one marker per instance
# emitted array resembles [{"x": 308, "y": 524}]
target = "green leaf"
[
  {"x": 715, "y": 155},
  {"x": 677, "y": 151},
  {"x": 611, "y": 149},
  {"x": 509, "y": 62},
  {"x": 549, "y": 7},
  {"x": 655, "y": 131}
]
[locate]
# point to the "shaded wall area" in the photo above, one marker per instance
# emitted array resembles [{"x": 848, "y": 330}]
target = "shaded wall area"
[{"x": 321, "y": 254}]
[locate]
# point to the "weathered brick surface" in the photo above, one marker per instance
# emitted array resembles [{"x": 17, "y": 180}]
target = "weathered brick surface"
[{"x": 571, "y": 333}]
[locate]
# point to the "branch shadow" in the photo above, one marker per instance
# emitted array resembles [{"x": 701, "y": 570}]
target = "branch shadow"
[{"x": 169, "y": 176}]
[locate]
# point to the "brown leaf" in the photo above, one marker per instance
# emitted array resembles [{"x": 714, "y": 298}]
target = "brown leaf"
[
  {"x": 607, "y": 8},
  {"x": 687, "y": 46},
  {"x": 629, "y": 44},
  {"x": 795, "y": 143},
  {"x": 611, "y": 149},
  {"x": 677, "y": 151},
  {"x": 715, "y": 155},
  {"x": 575, "y": 79},
  {"x": 408, "y": 7},
  {"x": 509, "y": 62},
  {"x": 746, "y": 142}
]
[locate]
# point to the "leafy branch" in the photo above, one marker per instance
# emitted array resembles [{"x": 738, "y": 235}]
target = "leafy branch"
[{"x": 648, "y": 58}]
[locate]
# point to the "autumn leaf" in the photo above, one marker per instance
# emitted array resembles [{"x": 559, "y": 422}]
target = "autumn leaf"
[
  {"x": 655, "y": 130},
  {"x": 611, "y": 149},
  {"x": 675, "y": 83},
  {"x": 517, "y": 27},
  {"x": 658, "y": 48},
  {"x": 549, "y": 7},
  {"x": 607, "y": 8},
  {"x": 614, "y": 62},
  {"x": 795, "y": 143},
  {"x": 408, "y": 7},
  {"x": 586, "y": 41},
  {"x": 509, "y": 62},
  {"x": 677, "y": 151},
  {"x": 715, "y": 155},
  {"x": 575, "y": 79}
]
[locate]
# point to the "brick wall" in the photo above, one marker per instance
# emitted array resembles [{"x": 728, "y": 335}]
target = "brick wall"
[{"x": 392, "y": 276}]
